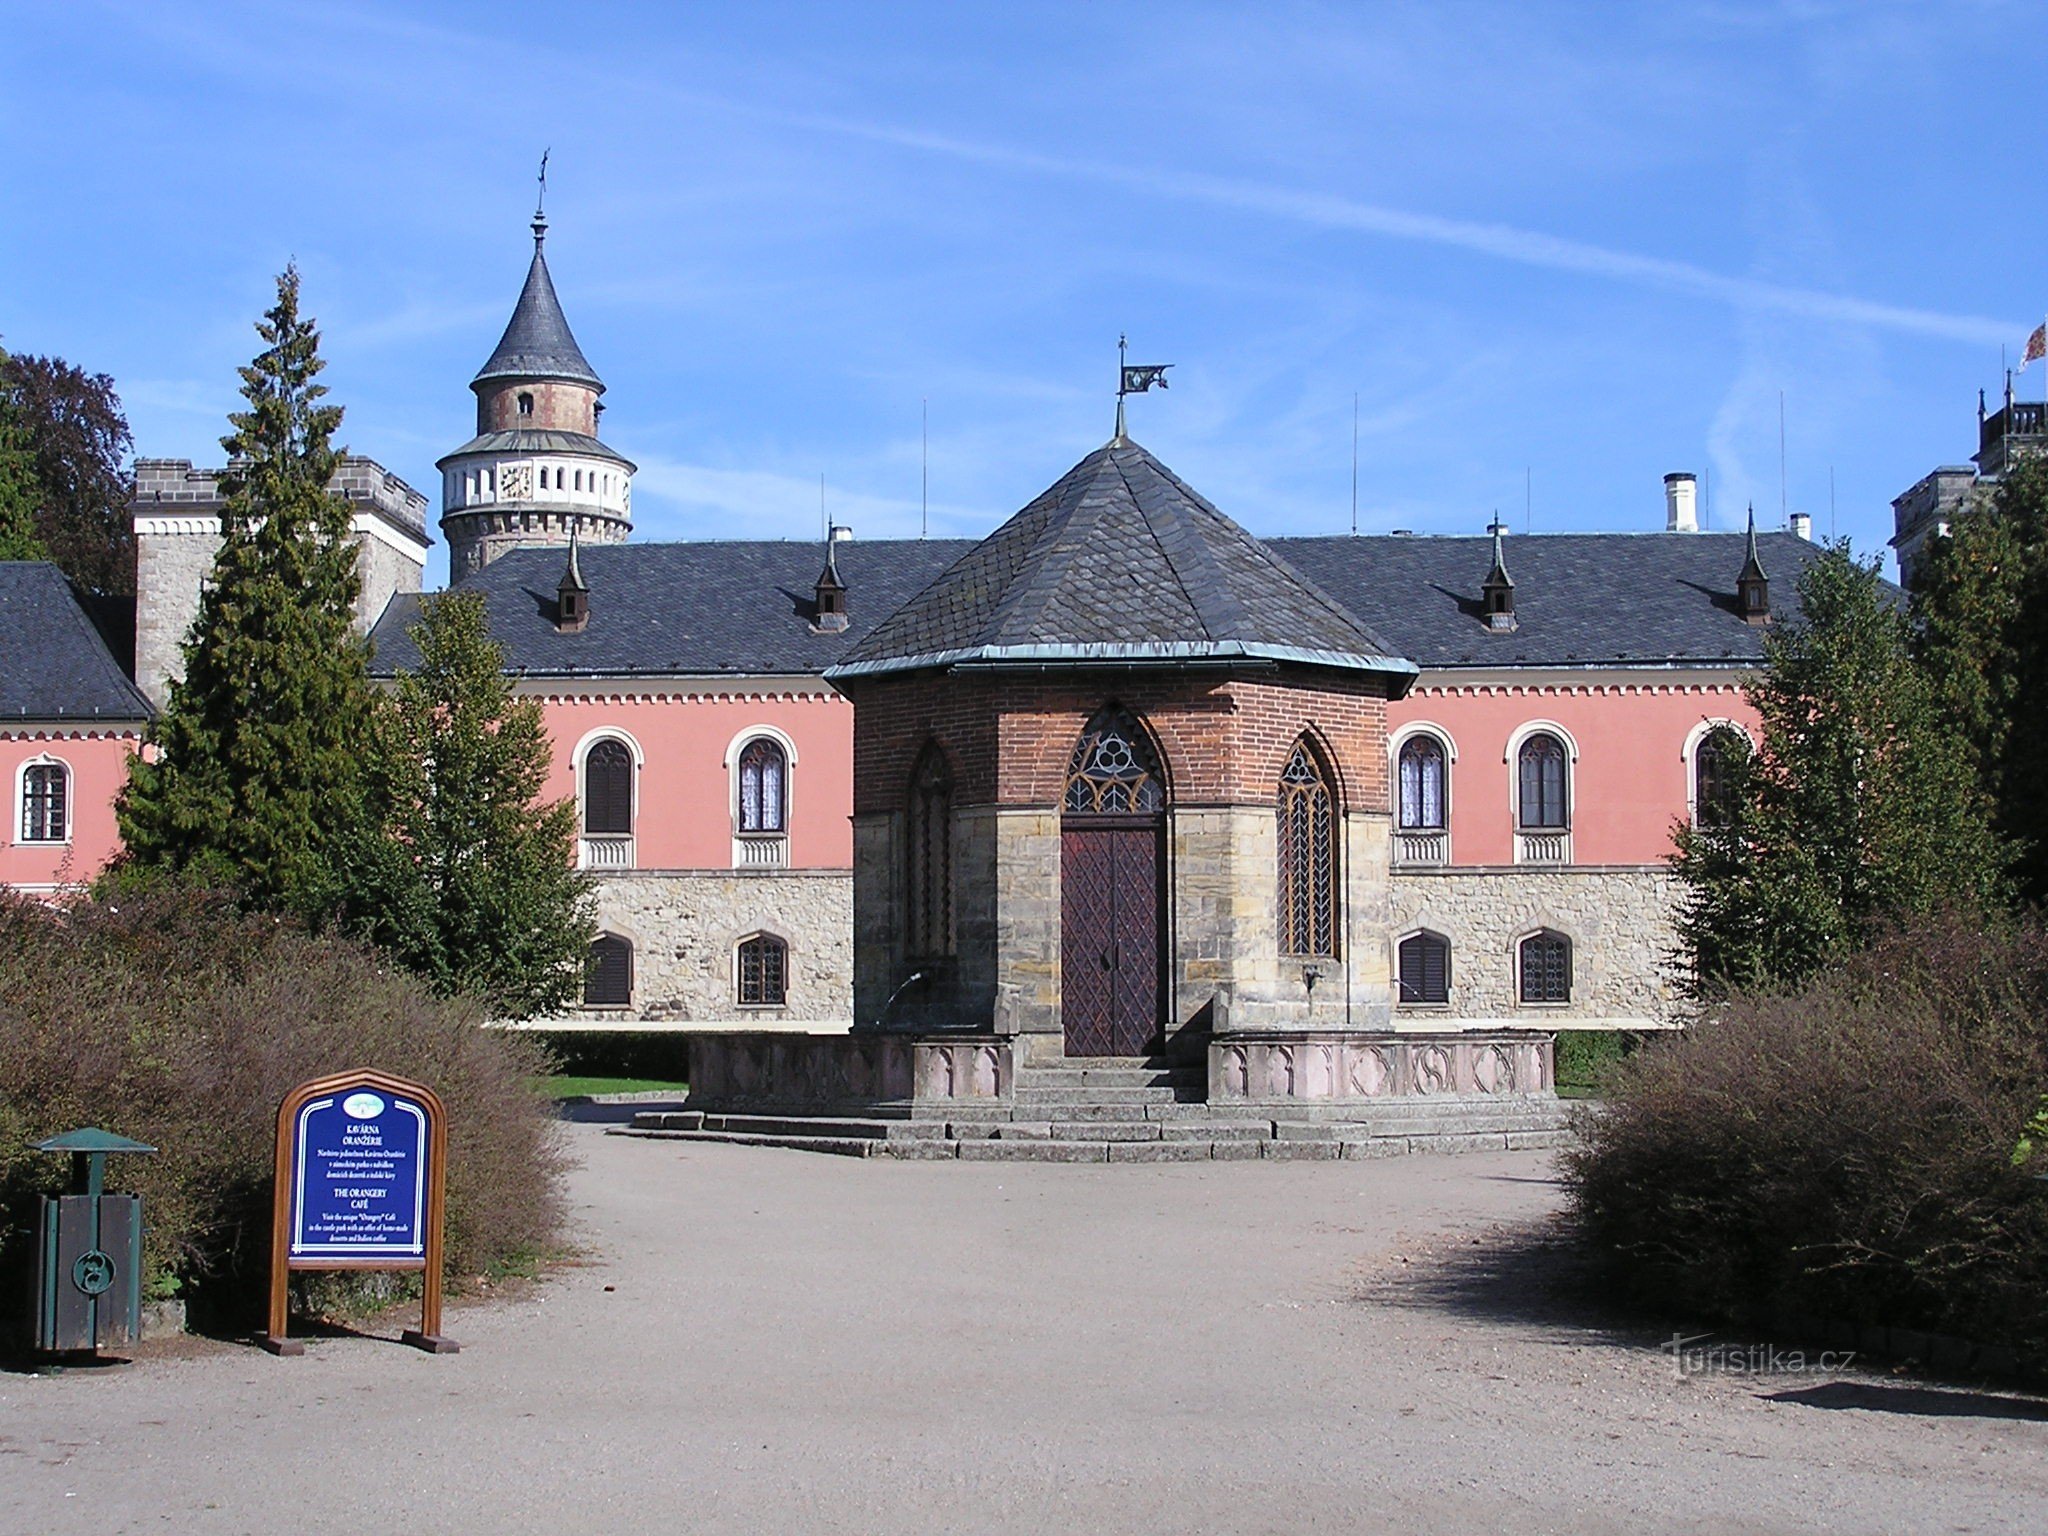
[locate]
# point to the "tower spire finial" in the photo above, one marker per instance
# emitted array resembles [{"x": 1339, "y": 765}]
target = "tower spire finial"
[{"x": 540, "y": 202}]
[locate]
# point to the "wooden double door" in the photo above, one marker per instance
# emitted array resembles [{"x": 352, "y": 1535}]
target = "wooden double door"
[{"x": 1111, "y": 934}]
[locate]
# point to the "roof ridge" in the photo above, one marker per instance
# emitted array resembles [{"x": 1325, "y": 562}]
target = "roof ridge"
[{"x": 1179, "y": 542}]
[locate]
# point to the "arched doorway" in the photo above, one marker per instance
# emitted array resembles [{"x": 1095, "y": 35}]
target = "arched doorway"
[{"x": 1112, "y": 890}]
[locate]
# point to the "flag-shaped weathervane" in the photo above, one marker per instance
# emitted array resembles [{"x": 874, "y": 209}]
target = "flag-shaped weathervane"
[{"x": 1134, "y": 379}]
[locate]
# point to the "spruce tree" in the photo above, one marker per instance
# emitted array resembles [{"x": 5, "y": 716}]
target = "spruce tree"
[
  {"x": 20, "y": 490},
  {"x": 464, "y": 875},
  {"x": 1978, "y": 609},
  {"x": 255, "y": 782},
  {"x": 1859, "y": 806}
]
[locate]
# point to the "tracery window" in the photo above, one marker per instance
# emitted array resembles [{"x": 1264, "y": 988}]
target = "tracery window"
[
  {"x": 1114, "y": 771},
  {"x": 764, "y": 787},
  {"x": 1716, "y": 764},
  {"x": 45, "y": 803},
  {"x": 608, "y": 975},
  {"x": 763, "y": 971},
  {"x": 1424, "y": 968},
  {"x": 607, "y": 788},
  {"x": 1422, "y": 775},
  {"x": 1545, "y": 801},
  {"x": 1546, "y": 968},
  {"x": 929, "y": 929},
  {"x": 1308, "y": 857}
]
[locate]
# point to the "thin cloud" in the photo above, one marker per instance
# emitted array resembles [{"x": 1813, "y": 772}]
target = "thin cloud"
[{"x": 1504, "y": 242}]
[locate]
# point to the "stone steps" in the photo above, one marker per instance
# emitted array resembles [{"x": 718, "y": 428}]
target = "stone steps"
[{"x": 1035, "y": 1143}]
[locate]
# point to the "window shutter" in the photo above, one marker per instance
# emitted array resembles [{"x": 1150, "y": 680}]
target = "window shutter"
[
  {"x": 608, "y": 978},
  {"x": 608, "y": 789},
  {"x": 1425, "y": 966}
]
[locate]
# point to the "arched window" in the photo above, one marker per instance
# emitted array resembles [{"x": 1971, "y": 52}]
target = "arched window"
[
  {"x": 1716, "y": 768},
  {"x": 1308, "y": 857},
  {"x": 607, "y": 788},
  {"x": 45, "y": 803},
  {"x": 1546, "y": 968},
  {"x": 1545, "y": 800},
  {"x": 525, "y": 403},
  {"x": 1425, "y": 969},
  {"x": 1114, "y": 770},
  {"x": 1422, "y": 775},
  {"x": 929, "y": 928},
  {"x": 764, "y": 787},
  {"x": 608, "y": 975},
  {"x": 763, "y": 971}
]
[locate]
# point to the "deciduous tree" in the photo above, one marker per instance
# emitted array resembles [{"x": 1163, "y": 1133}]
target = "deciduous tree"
[{"x": 78, "y": 442}]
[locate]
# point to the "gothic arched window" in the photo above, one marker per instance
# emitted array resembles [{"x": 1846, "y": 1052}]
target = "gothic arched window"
[
  {"x": 763, "y": 971},
  {"x": 1114, "y": 770},
  {"x": 1308, "y": 857},
  {"x": 1424, "y": 969},
  {"x": 764, "y": 787},
  {"x": 1546, "y": 968},
  {"x": 1422, "y": 776},
  {"x": 928, "y": 931},
  {"x": 1545, "y": 800},
  {"x": 45, "y": 803},
  {"x": 1716, "y": 764},
  {"x": 607, "y": 788},
  {"x": 608, "y": 975}
]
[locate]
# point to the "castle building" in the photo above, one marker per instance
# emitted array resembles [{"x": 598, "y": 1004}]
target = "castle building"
[
  {"x": 1927, "y": 508},
  {"x": 1330, "y": 817},
  {"x": 535, "y": 473}
]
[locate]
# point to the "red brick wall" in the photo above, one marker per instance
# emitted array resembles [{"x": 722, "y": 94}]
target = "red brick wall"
[
  {"x": 556, "y": 408},
  {"x": 1224, "y": 739}
]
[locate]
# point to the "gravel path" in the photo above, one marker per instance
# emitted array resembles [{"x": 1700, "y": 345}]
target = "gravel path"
[{"x": 776, "y": 1342}]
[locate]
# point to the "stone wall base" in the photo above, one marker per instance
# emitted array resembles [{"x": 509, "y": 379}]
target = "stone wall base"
[
  {"x": 869, "y": 1074},
  {"x": 1326, "y": 1069}
]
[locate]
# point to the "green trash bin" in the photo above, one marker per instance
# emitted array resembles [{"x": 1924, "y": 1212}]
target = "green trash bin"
[{"x": 89, "y": 1280}]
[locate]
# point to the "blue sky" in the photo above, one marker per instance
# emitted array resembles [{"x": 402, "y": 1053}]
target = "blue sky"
[{"x": 1554, "y": 251}]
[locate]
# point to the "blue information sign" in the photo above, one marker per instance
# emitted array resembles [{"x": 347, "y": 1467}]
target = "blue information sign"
[{"x": 359, "y": 1176}]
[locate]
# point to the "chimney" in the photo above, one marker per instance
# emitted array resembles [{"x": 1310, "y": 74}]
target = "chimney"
[
  {"x": 572, "y": 595},
  {"x": 1497, "y": 592},
  {"x": 1802, "y": 525},
  {"x": 831, "y": 592},
  {"x": 1681, "y": 502}
]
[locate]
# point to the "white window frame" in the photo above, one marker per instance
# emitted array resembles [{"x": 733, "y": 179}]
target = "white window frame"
[
  {"x": 760, "y": 850},
  {"x": 1689, "y": 755},
  {"x": 1395, "y": 743},
  {"x": 1526, "y": 839},
  {"x": 608, "y": 850},
  {"x": 45, "y": 760}
]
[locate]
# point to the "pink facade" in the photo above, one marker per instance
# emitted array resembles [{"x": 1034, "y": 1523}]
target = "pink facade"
[
  {"x": 686, "y": 779},
  {"x": 95, "y": 766},
  {"x": 1631, "y": 758}
]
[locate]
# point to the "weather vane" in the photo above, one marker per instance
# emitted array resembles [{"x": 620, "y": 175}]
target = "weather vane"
[
  {"x": 541, "y": 201},
  {"x": 1134, "y": 379}
]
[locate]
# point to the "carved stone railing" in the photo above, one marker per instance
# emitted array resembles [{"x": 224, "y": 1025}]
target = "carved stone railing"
[
  {"x": 1314, "y": 1067},
  {"x": 1543, "y": 847},
  {"x": 761, "y": 852},
  {"x": 845, "y": 1073},
  {"x": 606, "y": 852},
  {"x": 1411, "y": 848}
]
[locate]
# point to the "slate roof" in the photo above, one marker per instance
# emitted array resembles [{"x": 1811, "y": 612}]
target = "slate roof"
[
  {"x": 53, "y": 663},
  {"x": 538, "y": 440},
  {"x": 1120, "y": 562},
  {"x": 716, "y": 608},
  {"x": 743, "y": 607},
  {"x": 537, "y": 343},
  {"x": 1581, "y": 599}
]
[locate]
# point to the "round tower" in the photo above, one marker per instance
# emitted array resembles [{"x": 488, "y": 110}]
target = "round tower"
[{"x": 535, "y": 473}]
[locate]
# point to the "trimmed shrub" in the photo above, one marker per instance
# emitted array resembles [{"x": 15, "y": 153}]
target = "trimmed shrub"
[
  {"x": 1844, "y": 1152},
  {"x": 172, "y": 1017},
  {"x": 1586, "y": 1058}
]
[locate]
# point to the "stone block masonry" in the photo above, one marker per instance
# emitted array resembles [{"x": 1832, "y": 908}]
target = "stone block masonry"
[
  {"x": 686, "y": 925},
  {"x": 1618, "y": 919}
]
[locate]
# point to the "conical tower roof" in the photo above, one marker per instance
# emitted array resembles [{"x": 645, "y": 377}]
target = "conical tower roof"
[
  {"x": 1119, "y": 562},
  {"x": 537, "y": 343}
]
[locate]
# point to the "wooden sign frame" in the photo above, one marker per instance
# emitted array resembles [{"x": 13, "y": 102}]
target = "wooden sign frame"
[{"x": 428, "y": 1335}]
